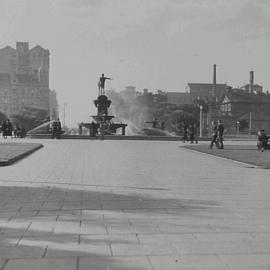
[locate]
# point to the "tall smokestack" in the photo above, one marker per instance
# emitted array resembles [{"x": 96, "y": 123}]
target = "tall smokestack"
[
  {"x": 214, "y": 80},
  {"x": 251, "y": 81}
]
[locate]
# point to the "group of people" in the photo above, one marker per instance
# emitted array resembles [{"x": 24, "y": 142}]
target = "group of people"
[
  {"x": 56, "y": 129},
  {"x": 189, "y": 133},
  {"x": 262, "y": 140},
  {"x": 217, "y": 135},
  {"x": 8, "y": 129}
]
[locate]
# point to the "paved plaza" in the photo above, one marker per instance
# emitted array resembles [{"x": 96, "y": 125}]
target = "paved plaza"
[{"x": 116, "y": 205}]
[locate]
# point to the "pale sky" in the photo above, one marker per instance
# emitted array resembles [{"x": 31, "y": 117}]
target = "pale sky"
[{"x": 154, "y": 44}]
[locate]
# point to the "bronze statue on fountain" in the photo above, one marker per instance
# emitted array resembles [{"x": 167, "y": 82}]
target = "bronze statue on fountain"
[{"x": 102, "y": 124}]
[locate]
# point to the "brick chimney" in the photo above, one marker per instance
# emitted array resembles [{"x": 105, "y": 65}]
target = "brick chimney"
[
  {"x": 251, "y": 82},
  {"x": 214, "y": 81}
]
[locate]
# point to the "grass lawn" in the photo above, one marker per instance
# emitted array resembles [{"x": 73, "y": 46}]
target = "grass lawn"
[
  {"x": 243, "y": 153},
  {"x": 11, "y": 152}
]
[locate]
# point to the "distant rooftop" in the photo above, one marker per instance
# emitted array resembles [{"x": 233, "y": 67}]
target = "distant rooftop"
[
  {"x": 204, "y": 90},
  {"x": 26, "y": 45},
  {"x": 239, "y": 95}
]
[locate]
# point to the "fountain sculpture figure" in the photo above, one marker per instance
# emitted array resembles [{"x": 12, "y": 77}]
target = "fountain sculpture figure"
[{"x": 102, "y": 123}]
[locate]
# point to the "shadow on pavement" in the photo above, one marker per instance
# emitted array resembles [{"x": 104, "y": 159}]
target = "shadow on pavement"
[{"x": 42, "y": 222}]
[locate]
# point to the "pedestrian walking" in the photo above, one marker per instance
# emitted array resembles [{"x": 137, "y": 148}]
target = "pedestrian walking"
[
  {"x": 220, "y": 130},
  {"x": 178, "y": 128},
  {"x": 195, "y": 133},
  {"x": 185, "y": 133},
  {"x": 7, "y": 129},
  {"x": 262, "y": 140},
  {"x": 54, "y": 129},
  {"x": 22, "y": 132},
  {"x": 4, "y": 129},
  {"x": 15, "y": 131},
  {"x": 214, "y": 135},
  {"x": 191, "y": 133},
  {"x": 58, "y": 128},
  {"x": 162, "y": 125}
]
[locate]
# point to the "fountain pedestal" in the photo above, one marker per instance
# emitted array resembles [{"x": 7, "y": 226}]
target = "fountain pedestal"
[{"x": 103, "y": 122}]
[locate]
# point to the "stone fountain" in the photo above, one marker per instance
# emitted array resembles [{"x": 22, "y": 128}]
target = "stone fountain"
[{"x": 103, "y": 123}]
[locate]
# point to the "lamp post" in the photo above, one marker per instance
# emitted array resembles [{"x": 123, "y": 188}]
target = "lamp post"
[
  {"x": 237, "y": 128},
  {"x": 201, "y": 121},
  {"x": 250, "y": 123}
]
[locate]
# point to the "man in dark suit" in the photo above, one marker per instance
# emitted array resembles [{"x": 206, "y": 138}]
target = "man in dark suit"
[
  {"x": 214, "y": 136},
  {"x": 220, "y": 131},
  {"x": 58, "y": 128}
]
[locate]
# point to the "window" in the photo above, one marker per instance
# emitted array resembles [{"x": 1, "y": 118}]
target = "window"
[{"x": 226, "y": 107}]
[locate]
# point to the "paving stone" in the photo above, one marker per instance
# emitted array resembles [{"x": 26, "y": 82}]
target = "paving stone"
[
  {"x": 74, "y": 250},
  {"x": 33, "y": 233},
  {"x": 42, "y": 264},
  {"x": 116, "y": 221},
  {"x": 7, "y": 240},
  {"x": 142, "y": 249},
  {"x": 257, "y": 247},
  {"x": 110, "y": 238},
  {"x": 115, "y": 263},
  {"x": 51, "y": 206},
  {"x": 48, "y": 241},
  {"x": 37, "y": 218},
  {"x": 58, "y": 212},
  {"x": 223, "y": 237},
  {"x": 92, "y": 214},
  {"x": 255, "y": 261},
  {"x": 191, "y": 261},
  {"x": 90, "y": 229},
  {"x": 21, "y": 252},
  {"x": 42, "y": 226},
  {"x": 260, "y": 236},
  {"x": 212, "y": 248},
  {"x": 166, "y": 238},
  {"x": 10, "y": 207},
  {"x": 119, "y": 214},
  {"x": 192, "y": 228}
]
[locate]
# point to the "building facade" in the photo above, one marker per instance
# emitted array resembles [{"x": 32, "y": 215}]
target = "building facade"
[
  {"x": 24, "y": 80},
  {"x": 238, "y": 105},
  {"x": 204, "y": 90}
]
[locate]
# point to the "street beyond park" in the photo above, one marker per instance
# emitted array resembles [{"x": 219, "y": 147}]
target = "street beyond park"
[{"x": 80, "y": 204}]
